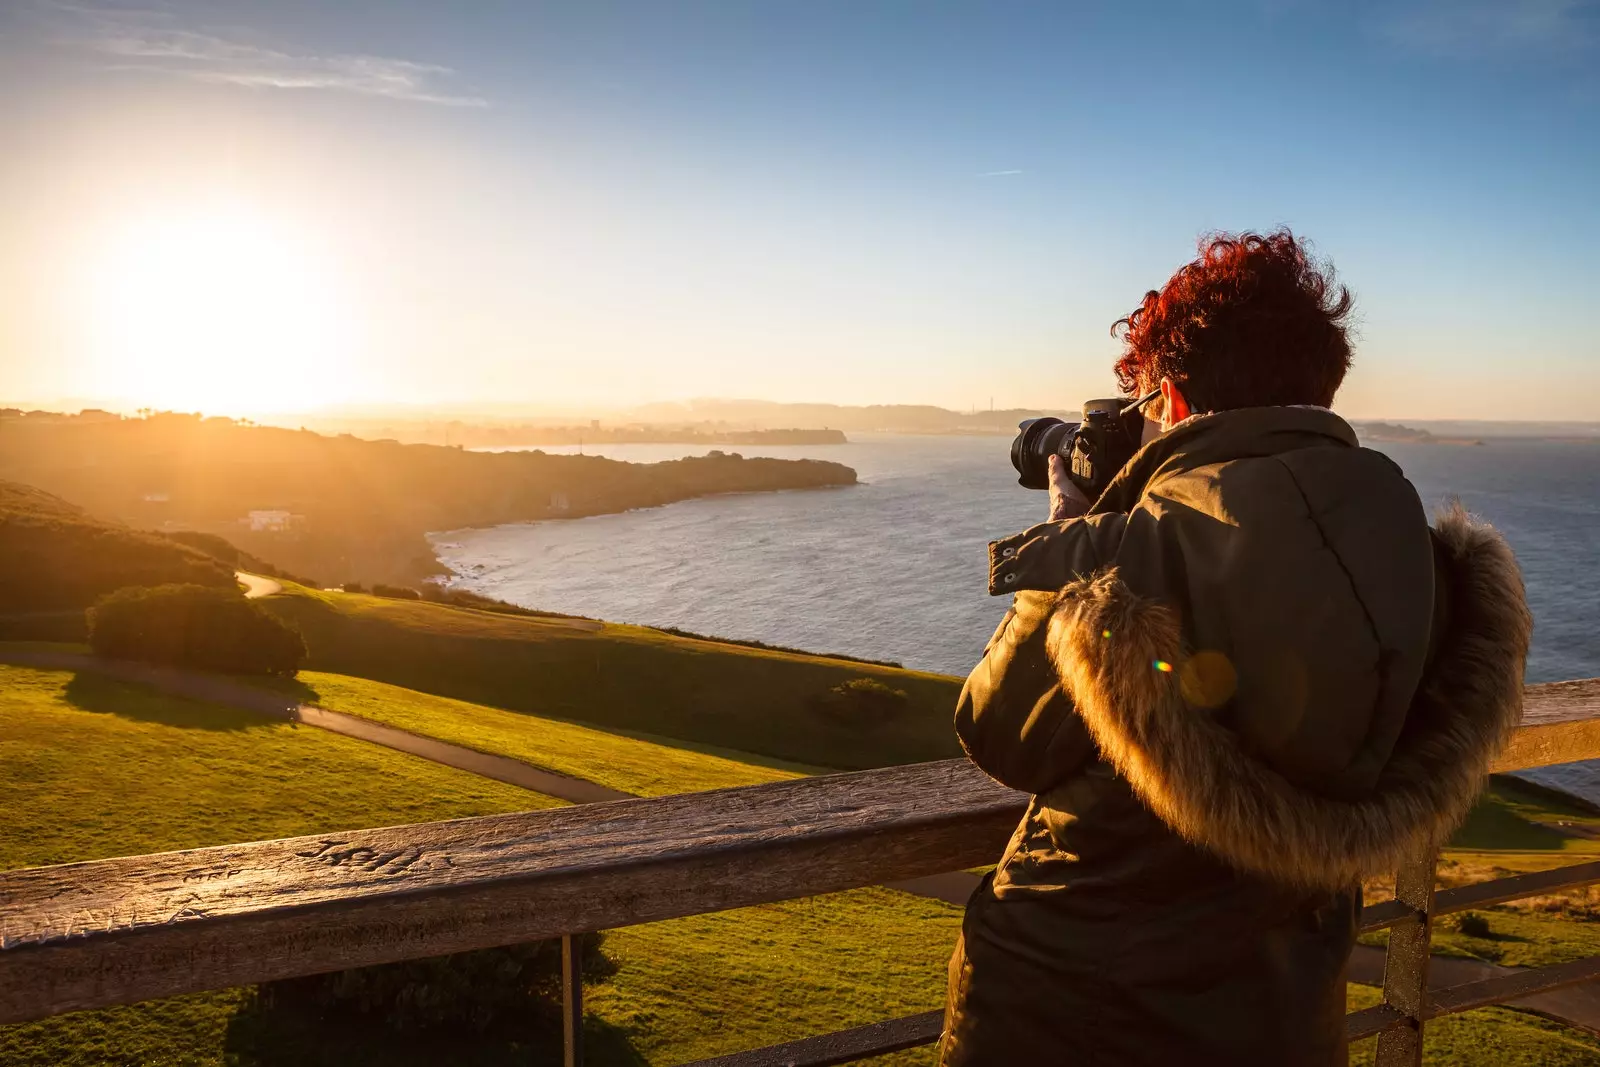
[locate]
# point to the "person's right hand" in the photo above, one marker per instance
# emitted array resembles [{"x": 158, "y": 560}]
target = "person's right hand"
[{"x": 1067, "y": 501}]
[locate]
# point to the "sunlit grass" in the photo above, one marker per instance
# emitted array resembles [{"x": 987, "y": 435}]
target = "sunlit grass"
[{"x": 633, "y": 764}]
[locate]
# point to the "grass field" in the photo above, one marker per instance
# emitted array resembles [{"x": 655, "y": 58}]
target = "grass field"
[
  {"x": 91, "y": 768},
  {"x": 625, "y": 678},
  {"x": 634, "y": 764},
  {"x": 84, "y": 761}
]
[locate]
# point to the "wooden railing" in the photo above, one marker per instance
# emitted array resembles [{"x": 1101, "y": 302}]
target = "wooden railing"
[{"x": 89, "y": 935}]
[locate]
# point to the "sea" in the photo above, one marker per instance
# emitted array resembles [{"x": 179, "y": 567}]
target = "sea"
[{"x": 895, "y": 568}]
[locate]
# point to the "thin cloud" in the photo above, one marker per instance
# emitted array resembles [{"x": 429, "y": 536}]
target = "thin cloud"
[
  {"x": 1479, "y": 27},
  {"x": 147, "y": 41},
  {"x": 1000, "y": 173}
]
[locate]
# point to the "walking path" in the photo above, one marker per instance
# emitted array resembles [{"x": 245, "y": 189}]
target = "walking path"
[
  {"x": 220, "y": 690},
  {"x": 1577, "y": 1006},
  {"x": 255, "y": 586}
]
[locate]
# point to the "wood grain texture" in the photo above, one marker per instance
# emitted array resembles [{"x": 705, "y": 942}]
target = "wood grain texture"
[
  {"x": 1560, "y": 724},
  {"x": 114, "y": 931}
]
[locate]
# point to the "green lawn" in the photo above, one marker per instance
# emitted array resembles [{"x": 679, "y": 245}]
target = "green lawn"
[
  {"x": 627, "y": 678},
  {"x": 634, "y": 764},
  {"x": 84, "y": 761},
  {"x": 91, "y": 767}
]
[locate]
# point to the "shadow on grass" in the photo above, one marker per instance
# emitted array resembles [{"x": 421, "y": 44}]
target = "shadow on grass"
[
  {"x": 1494, "y": 825},
  {"x": 262, "y": 1035},
  {"x": 110, "y": 696}
]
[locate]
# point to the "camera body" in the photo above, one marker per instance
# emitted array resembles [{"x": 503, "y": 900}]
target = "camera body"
[{"x": 1095, "y": 449}]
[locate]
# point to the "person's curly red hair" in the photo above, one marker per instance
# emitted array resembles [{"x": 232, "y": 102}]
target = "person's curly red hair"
[{"x": 1253, "y": 321}]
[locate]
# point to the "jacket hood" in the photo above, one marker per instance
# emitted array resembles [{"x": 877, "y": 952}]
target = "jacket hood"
[{"x": 1122, "y": 657}]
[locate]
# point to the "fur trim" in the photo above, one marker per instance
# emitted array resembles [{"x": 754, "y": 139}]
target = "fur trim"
[{"x": 1192, "y": 773}]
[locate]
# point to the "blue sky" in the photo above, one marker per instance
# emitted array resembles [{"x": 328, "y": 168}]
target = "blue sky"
[{"x": 596, "y": 203}]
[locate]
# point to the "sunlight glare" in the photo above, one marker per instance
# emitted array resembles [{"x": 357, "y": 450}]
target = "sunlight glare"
[{"x": 219, "y": 310}]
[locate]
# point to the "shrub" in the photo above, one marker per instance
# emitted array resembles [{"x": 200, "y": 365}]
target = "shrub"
[
  {"x": 194, "y": 626},
  {"x": 864, "y": 701},
  {"x": 1470, "y": 923},
  {"x": 467, "y": 991},
  {"x": 395, "y": 592},
  {"x": 353, "y": 587}
]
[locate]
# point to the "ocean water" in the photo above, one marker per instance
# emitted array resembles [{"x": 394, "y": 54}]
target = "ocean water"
[{"x": 894, "y": 568}]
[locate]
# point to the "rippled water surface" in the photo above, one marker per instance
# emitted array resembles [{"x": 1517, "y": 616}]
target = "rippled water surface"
[{"x": 894, "y": 568}]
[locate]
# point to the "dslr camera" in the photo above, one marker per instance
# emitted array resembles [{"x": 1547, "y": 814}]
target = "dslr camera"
[{"x": 1095, "y": 449}]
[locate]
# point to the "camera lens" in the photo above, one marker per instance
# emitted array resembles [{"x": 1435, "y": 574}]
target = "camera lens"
[{"x": 1036, "y": 441}]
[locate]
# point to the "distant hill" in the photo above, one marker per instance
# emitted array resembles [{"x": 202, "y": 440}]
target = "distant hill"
[
  {"x": 342, "y": 508},
  {"x": 54, "y": 556},
  {"x": 889, "y": 418}
]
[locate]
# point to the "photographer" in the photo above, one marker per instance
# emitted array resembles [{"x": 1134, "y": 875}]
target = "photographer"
[{"x": 1237, "y": 681}]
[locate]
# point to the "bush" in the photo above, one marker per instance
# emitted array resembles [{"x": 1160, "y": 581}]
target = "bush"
[
  {"x": 864, "y": 701},
  {"x": 395, "y": 592},
  {"x": 1469, "y": 923},
  {"x": 194, "y": 626},
  {"x": 468, "y": 991}
]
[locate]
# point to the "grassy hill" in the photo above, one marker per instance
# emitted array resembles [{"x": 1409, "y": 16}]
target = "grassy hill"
[
  {"x": 55, "y": 557},
  {"x": 629, "y": 678},
  {"x": 86, "y": 760}
]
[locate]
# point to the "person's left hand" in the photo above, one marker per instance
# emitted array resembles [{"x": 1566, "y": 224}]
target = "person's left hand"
[{"x": 1067, "y": 501}]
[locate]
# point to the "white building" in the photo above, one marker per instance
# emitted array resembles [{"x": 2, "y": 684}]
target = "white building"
[{"x": 271, "y": 521}]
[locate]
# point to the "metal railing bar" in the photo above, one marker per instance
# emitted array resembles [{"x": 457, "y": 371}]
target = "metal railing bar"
[
  {"x": 1481, "y": 894},
  {"x": 1499, "y": 890},
  {"x": 572, "y": 1000},
  {"x": 1369, "y": 1022},
  {"x": 1509, "y": 987},
  {"x": 842, "y": 1046},
  {"x": 1385, "y": 913}
]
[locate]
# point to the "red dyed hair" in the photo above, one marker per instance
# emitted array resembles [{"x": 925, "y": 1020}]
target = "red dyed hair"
[{"x": 1253, "y": 321}]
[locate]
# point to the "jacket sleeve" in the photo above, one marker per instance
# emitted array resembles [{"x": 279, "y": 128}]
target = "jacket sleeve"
[{"x": 1013, "y": 719}]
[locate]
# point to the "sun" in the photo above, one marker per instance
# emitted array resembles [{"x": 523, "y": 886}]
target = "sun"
[{"x": 220, "y": 309}]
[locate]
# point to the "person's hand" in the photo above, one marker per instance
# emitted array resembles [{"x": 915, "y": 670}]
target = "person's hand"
[{"x": 1067, "y": 501}]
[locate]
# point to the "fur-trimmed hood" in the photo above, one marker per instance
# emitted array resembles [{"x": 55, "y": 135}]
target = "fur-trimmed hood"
[{"x": 1122, "y": 659}]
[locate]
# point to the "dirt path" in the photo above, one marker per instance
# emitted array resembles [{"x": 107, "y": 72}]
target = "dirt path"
[
  {"x": 256, "y": 586},
  {"x": 220, "y": 690}
]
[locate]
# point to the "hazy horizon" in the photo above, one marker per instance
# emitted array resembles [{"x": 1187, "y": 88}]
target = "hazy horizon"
[
  {"x": 691, "y": 410},
  {"x": 247, "y": 208}
]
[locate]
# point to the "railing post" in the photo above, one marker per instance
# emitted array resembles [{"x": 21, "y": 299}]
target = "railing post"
[
  {"x": 1405, "y": 966},
  {"x": 572, "y": 1000}
]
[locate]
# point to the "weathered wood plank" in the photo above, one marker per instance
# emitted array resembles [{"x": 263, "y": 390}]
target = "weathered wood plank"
[
  {"x": 114, "y": 931},
  {"x": 1560, "y": 724}
]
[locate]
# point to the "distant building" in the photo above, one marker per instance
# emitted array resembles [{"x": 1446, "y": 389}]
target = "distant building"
[{"x": 272, "y": 521}]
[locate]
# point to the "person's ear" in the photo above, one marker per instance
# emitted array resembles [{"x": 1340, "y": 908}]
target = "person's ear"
[{"x": 1174, "y": 407}]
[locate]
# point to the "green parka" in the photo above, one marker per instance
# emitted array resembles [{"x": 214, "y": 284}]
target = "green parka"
[{"x": 1249, "y": 677}]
